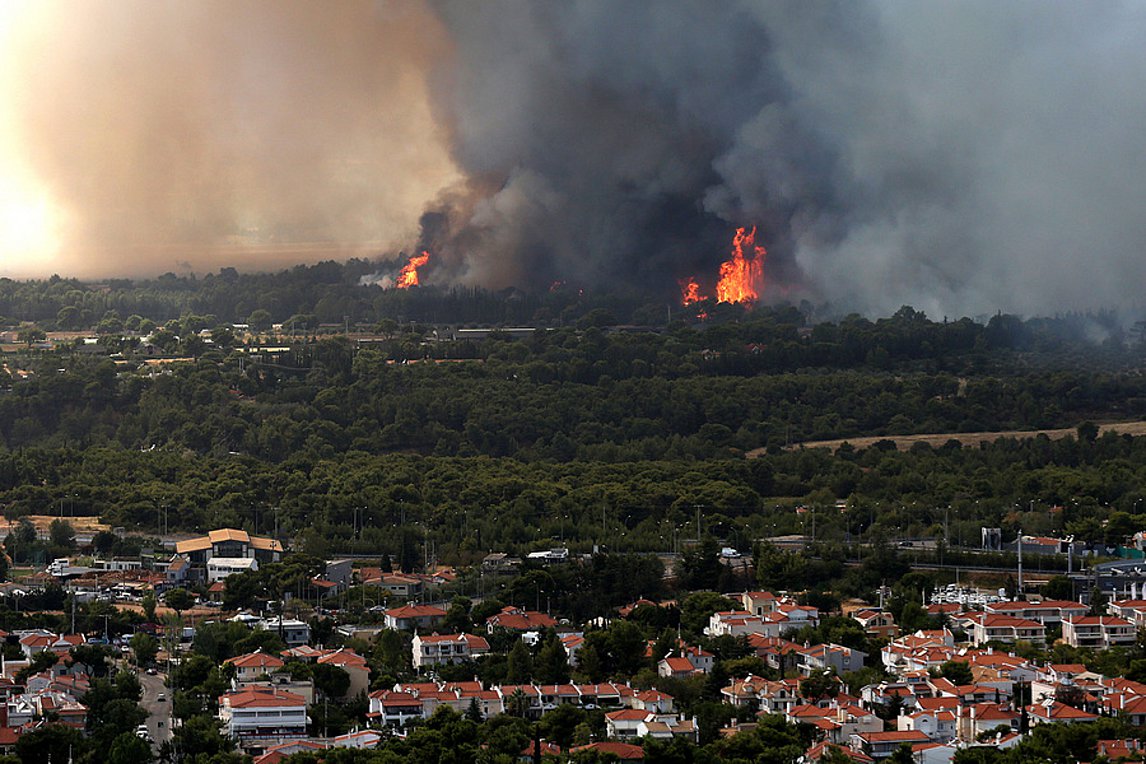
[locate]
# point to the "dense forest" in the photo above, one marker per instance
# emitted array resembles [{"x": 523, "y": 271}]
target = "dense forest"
[{"x": 585, "y": 431}]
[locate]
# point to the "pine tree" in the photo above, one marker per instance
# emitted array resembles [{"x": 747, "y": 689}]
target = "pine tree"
[
  {"x": 519, "y": 665},
  {"x": 552, "y": 665}
]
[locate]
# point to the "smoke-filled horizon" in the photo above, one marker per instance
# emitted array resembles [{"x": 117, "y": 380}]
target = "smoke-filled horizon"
[{"x": 959, "y": 157}]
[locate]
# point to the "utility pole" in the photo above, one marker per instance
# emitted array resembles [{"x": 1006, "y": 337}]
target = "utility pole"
[{"x": 1019, "y": 542}]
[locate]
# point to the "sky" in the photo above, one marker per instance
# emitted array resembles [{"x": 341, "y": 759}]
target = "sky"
[{"x": 962, "y": 157}]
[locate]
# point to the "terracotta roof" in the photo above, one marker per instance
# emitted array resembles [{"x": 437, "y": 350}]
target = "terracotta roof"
[
  {"x": 263, "y": 699},
  {"x": 416, "y": 611},
  {"x": 622, "y": 751},
  {"x": 257, "y": 659},
  {"x": 229, "y": 534}
]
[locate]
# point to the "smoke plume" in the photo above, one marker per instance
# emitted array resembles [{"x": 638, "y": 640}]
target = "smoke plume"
[{"x": 961, "y": 157}]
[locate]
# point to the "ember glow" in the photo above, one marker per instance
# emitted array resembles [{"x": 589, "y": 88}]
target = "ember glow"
[
  {"x": 408, "y": 276},
  {"x": 741, "y": 278}
]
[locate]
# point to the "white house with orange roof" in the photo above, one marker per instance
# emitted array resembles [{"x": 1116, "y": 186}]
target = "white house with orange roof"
[
  {"x": 1098, "y": 631},
  {"x": 1047, "y": 612},
  {"x": 876, "y": 622},
  {"x": 518, "y": 619},
  {"x": 47, "y": 642},
  {"x": 939, "y": 726},
  {"x": 394, "y": 708},
  {"x": 257, "y": 717},
  {"x": 1133, "y": 610},
  {"x": 978, "y": 718},
  {"x": 652, "y": 700},
  {"x": 675, "y": 667},
  {"x": 254, "y": 665},
  {"x": 880, "y": 745},
  {"x": 836, "y": 720},
  {"x": 738, "y": 623},
  {"x": 572, "y": 644},
  {"x": 362, "y": 739},
  {"x": 1052, "y": 711},
  {"x": 414, "y": 617},
  {"x": 1007, "y": 629},
  {"x": 841, "y": 659},
  {"x": 436, "y": 649}
]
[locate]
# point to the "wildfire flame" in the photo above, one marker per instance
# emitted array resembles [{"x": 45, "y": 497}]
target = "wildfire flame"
[
  {"x": 741, "y": 278},
  {"x": 408, "y": 276},
  {"x": 690, "y": 292}
]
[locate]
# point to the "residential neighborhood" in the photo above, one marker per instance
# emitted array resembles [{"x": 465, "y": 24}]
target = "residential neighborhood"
[{"x": 272, "y": 679}]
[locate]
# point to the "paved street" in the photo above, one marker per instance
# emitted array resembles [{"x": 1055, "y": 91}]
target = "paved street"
[{"x": 159, "y": 719}]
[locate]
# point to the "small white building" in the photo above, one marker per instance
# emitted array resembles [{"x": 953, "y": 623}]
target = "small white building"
[{"x": 218, "y": 568}]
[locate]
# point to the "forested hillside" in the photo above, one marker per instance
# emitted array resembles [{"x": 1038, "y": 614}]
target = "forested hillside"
[{"x": 581, "y": 431}]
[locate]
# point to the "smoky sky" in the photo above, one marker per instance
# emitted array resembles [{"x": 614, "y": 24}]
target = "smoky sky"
[{"x": 960, "y": 157}]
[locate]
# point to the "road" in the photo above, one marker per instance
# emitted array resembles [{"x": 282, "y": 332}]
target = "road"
[{"x": 159, "y": 711}]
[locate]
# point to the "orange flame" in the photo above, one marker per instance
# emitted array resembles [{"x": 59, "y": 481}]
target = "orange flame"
[
  {"x": 690, "y": 292},
  {"x": 408, "y": 276},
  {"x": 740, "y": 278}
]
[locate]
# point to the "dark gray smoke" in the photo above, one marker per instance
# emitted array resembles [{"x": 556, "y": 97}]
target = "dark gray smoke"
[{"x": 962, "y": 157}]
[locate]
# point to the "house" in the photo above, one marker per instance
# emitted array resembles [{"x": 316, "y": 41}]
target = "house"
[
  {"x": 572, "y": 643},
  {"x": 354, "y": 665},
  {"x": 499, "y": 562},
  {"x": 1052, "y": 711},
  {"x": 676, "y": 667},
  {"x": 414, "y": 617},
  {"x": 398, "y": 584},
  {"x": 736, "y": 623},
  {"x": 1007, "y": 629},
  {"x": 837, "y": 720},
  {"x": 759, "y": 603},
  {"x": 47, "y": 642},
  {"x": 517, "y": 619},
  {"x": 938, "y": 725},
  {"x": 830, "y": 656},
  {"x": 1133, "y": 610},
  {"x": 976, "y": 719},
  {"x": 436, "y": 649},
  {"x": 779, "y": 653},
  {"x": 293, "y": 631},
  {"x": 226, "y": 542},
  {"x": 880, "y": 745},
  {"x": 1101, "y": 632},
  {"x": 393, "y": 708},
  {"x": 876, "y": 623},
  {"x": 1047, "y": 612},
  {"x": 254, "y": 665},
  {"x": 258, "y": 717}
]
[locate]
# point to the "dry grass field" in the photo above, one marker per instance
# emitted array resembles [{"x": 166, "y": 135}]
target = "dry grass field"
[{"x": 904, "y": 442}]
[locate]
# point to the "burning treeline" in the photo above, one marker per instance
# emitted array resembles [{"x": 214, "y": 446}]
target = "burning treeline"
[
  {"x": 408, "y": 276},
  {"x": 741, "y": 277}
]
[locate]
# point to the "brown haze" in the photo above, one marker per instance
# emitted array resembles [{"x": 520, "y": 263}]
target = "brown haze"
[{"x": 139, "y": 136}]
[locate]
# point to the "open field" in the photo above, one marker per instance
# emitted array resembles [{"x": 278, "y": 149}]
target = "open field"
[
  {"x": 904, "y": 442},
  {"x": 83, "y": 526}
]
